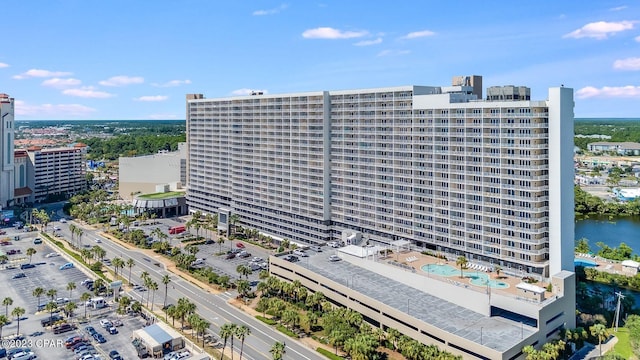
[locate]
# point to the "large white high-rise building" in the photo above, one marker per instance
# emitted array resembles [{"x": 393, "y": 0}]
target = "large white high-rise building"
[
  {"x": 6, "y": 150},
  {"x": 58, "y": 171},
  {"x": 491, "y": 179}
]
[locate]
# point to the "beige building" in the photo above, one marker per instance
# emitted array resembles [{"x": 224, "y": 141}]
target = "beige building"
[
  {"x": 58, "y": 170},
  {"x": 143, "y": 174},
  {"x": 6, "y": 150}
]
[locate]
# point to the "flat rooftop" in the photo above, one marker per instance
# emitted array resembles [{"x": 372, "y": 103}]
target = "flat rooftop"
[
  {"x": 494, "y": 332},
  {"x": 161, "y": 196}
]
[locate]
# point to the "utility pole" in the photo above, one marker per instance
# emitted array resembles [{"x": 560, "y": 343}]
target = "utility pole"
[{"x": 617, "y": 314}]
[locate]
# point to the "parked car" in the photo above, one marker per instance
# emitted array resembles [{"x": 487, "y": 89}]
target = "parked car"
[
  {"x": 53, "y": 254},
  {"x": 63, "y": 220},
  {"x": 230, "y": 256},
  {"x": 37, "y": 241},
  {"x": 13, "y": 251},
  {"x": 106, "y": 323},
  {"x": 300, "y": 253},
  {"x": 209, "y": 242},
  {"x": 18, "y": 276},
  {"x": 66, "y": 266},
  {"x": 114, "y": 355},
  {"x": 62, "y": 328},
  {"x": 72, "y": 341},
  {"x": 112, "y": 330},
  {"x": 244, "y": 254},
  {"x": 315, "y": 248},
  {"x": 27, "y": 266},
  {"x": 334, "y": 258},
  {"x": 90, "y": 330}
]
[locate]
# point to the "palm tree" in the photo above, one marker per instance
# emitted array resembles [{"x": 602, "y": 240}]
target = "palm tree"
[
  {"x": 51, "y": 307},
  {"x": 173, "y": 312},
  {"x": 241, "y": 333},
  {"x": 3, "y": 258},
  {"x": 38, "y": 292},
  {"x": 233, "y": 219},
  {"x": 79, "y": 232},
  {"x": 117, "y": 263},
  {"x": 462, "y": 262},
  {"x": 130, "y": 263},
  {"x": 244, "y": 270},
  {"x": 30, "y": 253},
  {"x": 166, "y": 279},
  {"x": 17, "y": 312},
  {"x": 3, "y": 321},
  {"x": 52, "y": 293},
  {"x": 71, "y": 286},
  {"x": 97, "y": 285},
  {"x": 185, "y": 308},
  {"x": 201, "y": 326},
  {"x": 226, "y": 331},
  {"x": 6, "y": 302},
  {"x": 278, "y": 350},
  {"x": 144, "y": 275},
  {"x": 221, "y": 241},
  {"x": 69, "y": 307},
  {"x": 73, "y": 230},
  {"x": 84, "y": 298},
  {"x": 153, "y": 286},
  {"x": 601, "y": 332}
]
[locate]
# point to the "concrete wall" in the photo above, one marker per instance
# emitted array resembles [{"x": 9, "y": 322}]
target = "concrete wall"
[{"x": 143, "y": 173}]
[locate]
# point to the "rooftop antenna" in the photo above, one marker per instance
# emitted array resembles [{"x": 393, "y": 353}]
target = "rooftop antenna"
[{"x": 617, "y": 314}]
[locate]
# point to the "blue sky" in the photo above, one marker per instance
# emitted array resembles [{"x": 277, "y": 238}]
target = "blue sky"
[{"x": 134, "y": 59}]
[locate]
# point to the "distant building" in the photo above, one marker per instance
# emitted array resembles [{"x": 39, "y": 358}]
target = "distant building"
[
  {"x": 627, "y": 194},
  {"x": 622, "y": 148},
  {"x": 142, "y": 174},
  {"x": 58, "y": 170},
  {"x": 7, "y": 168}
]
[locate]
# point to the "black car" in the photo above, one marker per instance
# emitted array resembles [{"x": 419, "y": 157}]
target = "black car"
[
  {"x": 26, "y": 266},
  {"x": 114, "y": 355},
  {"x": 90, "y": 330},
  {"x": 51, "y": 320},
  {"x": 18, "y": 276},
  {"x": 209, "y": 242},
  {"x": 230, "y": 256}
]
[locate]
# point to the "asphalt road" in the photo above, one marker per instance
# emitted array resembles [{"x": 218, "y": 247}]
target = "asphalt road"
[{"x": 210, "y": 306}]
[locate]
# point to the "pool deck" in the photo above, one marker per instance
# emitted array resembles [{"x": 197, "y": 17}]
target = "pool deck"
[
  {"x": 610, "y": 266},
  {"x": 418, "y": 260}
]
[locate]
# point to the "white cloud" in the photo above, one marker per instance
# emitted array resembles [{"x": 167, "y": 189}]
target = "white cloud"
[
  {"x": 152, "y": 98},
  {"x": 418, "y": 34},
  {"x": 246, "y": 91},
  {"x": 172, "y": 83},
  {"x": 4, "y": 65},
  {"x": 609, "y": 92},
  {"x": 270, "y": 11},
  {"x": 122, "y": 80},
  {"x": 369, "y": 42},
  {"x": 618, "y": 8},
  {"x": 331, "y": 33},
  {"x": 60, "y": 83},
  {"x": 627, "y": 64},
  {"x": 637, "y": 38},
  {"x": 40, "y": 73},
  {"x": 393, "y": 52},
  {"x": 88, "y": 92},
  {"x": 51, "y": 110},
  {"x": 601, "y": 29}
]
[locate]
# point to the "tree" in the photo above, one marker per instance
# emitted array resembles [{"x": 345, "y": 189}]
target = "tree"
[
  {"x": 166, "y": 279},
  {"x": 69, "y": 308},
  {"x": 52, "y": 293},
  {"x": 130, "y": 263},
  {"x": 117, "y": 263},
  {"x": 226, "y": 331},
  {"x": 241, "y": 333},
  {"x": 153, "y": 286},
  {"x": 6, "y": 302},
  {"x": 51, "y": 307},
  {"x": 30, "y": 253},
  {"x": 278, "y": 350},
  {"x": 233, "y": 219},
  {"x": 3, "y": 321},
  {"x": 600, "y": 332},
  {"x": 220, "y": 241},
  {"x": 185, "y": 308},
  {"x": 462, "y": 262},
  {"x": 71, "y": 286},
  {"x": 17, "y": 312},
  {"x": 37, "y": 292},
  {"x": 173, "y": 312},
  {"x": 244, "y": 270},
  {"x": 84, "y": 298}
]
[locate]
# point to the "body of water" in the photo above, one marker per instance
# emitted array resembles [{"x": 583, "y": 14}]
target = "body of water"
[{"x": 611, "y": 232}]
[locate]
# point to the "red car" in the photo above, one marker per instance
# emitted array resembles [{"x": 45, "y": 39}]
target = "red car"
[{"x": 240, "y": 245}]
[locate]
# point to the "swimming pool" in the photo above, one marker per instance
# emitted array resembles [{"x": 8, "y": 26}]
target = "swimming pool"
[
  {"x": 476, "y": 278},
  {"x": 584, "y": 263}
]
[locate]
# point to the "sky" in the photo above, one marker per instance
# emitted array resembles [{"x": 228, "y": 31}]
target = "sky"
[{"x": 135, "y": 59}]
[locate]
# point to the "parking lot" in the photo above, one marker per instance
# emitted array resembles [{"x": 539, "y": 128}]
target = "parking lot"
[{"x": 46, "y": 274}]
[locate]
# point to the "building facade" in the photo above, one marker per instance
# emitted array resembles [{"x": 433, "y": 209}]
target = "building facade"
[
  {"x": 58, "y": 170},
  {"x": 436, "y": 165},
  {"x": 7, "y": 186},
  {"x": 141, "y": 174}
]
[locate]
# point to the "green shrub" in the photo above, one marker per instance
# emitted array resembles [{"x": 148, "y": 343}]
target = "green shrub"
[
  {"x": 266, "y": 320},
  {"x": 329, "y": 354},
  {"x": 286, "y": 331},
  {"x": 96, "y": 266}
]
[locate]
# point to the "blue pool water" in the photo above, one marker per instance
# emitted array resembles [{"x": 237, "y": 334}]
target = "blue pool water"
[
  {"x": 476, "y": 278},
  {"x": 584, "y": 263}
]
